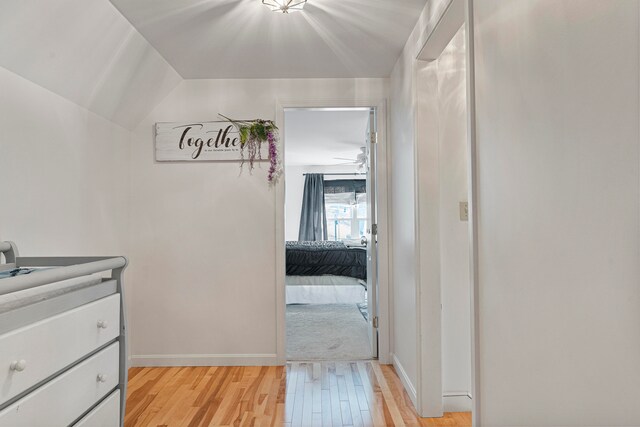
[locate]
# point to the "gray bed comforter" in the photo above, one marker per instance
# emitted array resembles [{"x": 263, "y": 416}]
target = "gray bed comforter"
[{"x": 322, "y": 257}]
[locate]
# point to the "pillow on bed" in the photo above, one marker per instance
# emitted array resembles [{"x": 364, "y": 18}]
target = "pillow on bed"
[
  {"x": 316, "y": 244},
  {"x": 353, "y": 243}
]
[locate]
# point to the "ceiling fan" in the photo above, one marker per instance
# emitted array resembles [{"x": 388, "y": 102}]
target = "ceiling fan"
[{"x": 360, "y": 161}]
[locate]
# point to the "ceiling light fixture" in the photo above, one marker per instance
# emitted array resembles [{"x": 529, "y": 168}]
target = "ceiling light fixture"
[{"x": 285, "y": 6}]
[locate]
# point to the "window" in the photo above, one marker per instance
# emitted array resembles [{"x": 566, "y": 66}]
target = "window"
[{"x": 346, "y": 207}]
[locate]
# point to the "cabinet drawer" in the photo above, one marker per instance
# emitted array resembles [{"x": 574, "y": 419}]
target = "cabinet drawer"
[
  {"x": 63, "y": 399},
  {"x": 35, "y": 352},
  {"x": 106, "y": 414}
]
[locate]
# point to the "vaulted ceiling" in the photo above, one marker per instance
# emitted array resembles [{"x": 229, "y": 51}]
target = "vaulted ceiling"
[
  {"x": 243, "y": 39},
  {"x": 120, "y": 58},
  {"x": 87, "y": 52}
]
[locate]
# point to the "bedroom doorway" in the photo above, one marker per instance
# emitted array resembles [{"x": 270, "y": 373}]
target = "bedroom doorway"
[{"x": 331, "y": 233}]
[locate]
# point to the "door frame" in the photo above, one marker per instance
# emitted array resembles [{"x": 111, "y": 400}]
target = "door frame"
[
  {"x": 384, "y": 306},
  {"x": 371, "y": 148}
]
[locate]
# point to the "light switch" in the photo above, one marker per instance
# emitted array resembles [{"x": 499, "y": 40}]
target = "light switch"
[{"x": 464, "y": 211}]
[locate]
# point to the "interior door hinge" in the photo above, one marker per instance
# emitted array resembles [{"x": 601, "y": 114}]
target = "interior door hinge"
[
  {"x": 375, "y": 322},
  {"x": 373, "y": 137},
  {"x": 374, "y": 229}
]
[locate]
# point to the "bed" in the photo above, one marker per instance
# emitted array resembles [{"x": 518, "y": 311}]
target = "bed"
[{"x": 323, "y": 272}]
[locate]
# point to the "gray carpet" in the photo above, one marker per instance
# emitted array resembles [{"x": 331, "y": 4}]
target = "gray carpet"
[{"x": 326, "y": 332}]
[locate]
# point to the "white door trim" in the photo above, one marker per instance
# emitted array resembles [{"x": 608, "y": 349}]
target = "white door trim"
[
  {"x": 473, "y": 213},
  {"x": 384, "y": 306}
]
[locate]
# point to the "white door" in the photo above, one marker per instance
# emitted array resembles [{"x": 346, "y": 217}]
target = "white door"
[{"x": 371, "y": 236}]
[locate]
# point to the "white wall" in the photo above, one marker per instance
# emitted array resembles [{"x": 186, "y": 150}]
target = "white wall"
[
  {"x": 64, "y": 173},
  {"x": 203, "y": 252},
  {"x": 402, "y": 225},
  {"x": 295, "y": 191},
  {"x": 85, "y": 51},
  {"x": 77, "y": 76},
  {"x": 558, "y": 212},
  {"x": 418, "y": 363}
]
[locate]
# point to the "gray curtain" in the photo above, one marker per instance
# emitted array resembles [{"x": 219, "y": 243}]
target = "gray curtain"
[{"x": 313, "y": 218}]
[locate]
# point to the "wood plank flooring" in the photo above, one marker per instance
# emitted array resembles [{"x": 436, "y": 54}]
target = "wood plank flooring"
[{"x": 362, "y": 393}]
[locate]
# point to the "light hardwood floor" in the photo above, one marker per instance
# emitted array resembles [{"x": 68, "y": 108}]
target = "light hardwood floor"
[{"x": 362, "y": 393}]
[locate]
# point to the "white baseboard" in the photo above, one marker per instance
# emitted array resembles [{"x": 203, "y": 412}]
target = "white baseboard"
[
  {"x": 457, "y": 401},
  {"x": 138, "y": 360},
  {"x": 406, "y": 382}
]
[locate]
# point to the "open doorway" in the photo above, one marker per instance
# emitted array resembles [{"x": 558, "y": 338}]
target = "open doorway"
[
  {"x": 445, "y": 203},
  {"x": 330, "y": 232}
]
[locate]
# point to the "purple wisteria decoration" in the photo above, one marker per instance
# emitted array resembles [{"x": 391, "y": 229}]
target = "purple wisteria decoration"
[
  {"x": 275, "y": 166},
  {"x": 253, "y": 133}
]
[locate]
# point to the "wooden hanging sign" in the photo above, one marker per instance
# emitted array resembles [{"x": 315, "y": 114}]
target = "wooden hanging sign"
[{"x": 198, "y": 141}]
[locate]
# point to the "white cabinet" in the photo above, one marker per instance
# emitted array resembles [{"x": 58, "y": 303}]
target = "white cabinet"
[
  {"x": 35, "y": 352},
  {"x": 62, "y": 340},
  {"x": 62, "y": 400}
]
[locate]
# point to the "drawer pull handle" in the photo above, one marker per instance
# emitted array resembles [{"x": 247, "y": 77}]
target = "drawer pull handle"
[
  {"x": 18, "y": 365},
  {"x": 102, "y": 324},
  {"x": 102, "y": 378}
]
